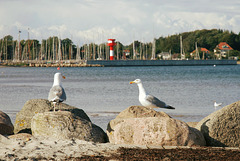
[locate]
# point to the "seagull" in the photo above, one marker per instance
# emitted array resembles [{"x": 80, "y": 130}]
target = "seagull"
[
  {"x": 216, "y": 104},
  {"x": 149, "y": 100},
  {"x": 57, "y": 93}
]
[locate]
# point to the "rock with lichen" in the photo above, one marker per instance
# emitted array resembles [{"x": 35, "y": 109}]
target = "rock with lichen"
[
  {"x": 222, "y": 128},
  {"x": 64, "y": 125},
  {"x": 35, "y": 106},
  {"x": 138, "y": 125}
]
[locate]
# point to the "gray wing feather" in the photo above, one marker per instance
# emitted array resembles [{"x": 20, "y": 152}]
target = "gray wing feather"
[
  {"x": 155, "y": 101},
  {"x": 57, "y": 94},
  {"x": 64, "y": 97}
]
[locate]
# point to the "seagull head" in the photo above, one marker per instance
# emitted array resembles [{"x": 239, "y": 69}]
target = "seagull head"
[
  {"x": 137, "y": 81},
  {"x": 57, "y": 78},
  {"x": 59, "y": 75}
]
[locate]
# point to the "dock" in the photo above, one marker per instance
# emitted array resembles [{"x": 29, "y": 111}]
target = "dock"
[{"x": 117, "y": 63}]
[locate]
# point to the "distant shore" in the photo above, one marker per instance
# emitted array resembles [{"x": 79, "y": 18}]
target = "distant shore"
[
  {"x": 44, "y": 64},
  {"x": 116, "y": 63},
  {"x": 129, "y": 63}
]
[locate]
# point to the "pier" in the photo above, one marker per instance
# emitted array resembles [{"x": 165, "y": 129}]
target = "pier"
[{"x": 118, "y": 63}]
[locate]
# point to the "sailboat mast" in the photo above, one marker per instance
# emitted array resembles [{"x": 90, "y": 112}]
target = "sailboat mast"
[
  {"x": 153, "y": 49},
  {"x": 19, "y": 44},
  {"x": 117, "y": 50},
  {"x": 53, "y": 49},
  {"x": 134, "y": 51},
  {"x": 181, "y": 49},
  {"x": 197, "y": 53},
  {"x": 181, "y": 45},
  {"x": 59, "y": 49},
  {"x": 140, "y": 48}
]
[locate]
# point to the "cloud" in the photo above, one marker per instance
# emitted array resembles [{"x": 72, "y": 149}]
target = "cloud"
[{"x": 94, "y": 20}]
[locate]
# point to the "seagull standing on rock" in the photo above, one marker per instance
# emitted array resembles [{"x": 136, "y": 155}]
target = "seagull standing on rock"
[
  {"x": 57, "y": 93},
  {"x": 149, "y": 100},
  {"x": 216, "y": 104}
]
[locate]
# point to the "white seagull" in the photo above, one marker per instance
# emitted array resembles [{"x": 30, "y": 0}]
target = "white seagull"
[
  {"x": 149, "y": 100},
  {"x": 57, "y": 93},
  {"x": 216, "y": 104}
]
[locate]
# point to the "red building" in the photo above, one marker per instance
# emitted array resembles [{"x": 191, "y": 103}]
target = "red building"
[{"x": 222, "y": 49}]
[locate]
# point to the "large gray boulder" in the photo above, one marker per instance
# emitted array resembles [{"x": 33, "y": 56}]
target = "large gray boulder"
[
  {"x": 139, "y": 112},
  {"x": 222, "y": 128},
  {"x": 4, "y": 141},
  {"x": 151, "y": 128},
  {"x": 65, "y": 125},
  {"x": 21, "y": 136},
  {"x": 6, "y": 126},
  {"x": 35, "y": 106}
]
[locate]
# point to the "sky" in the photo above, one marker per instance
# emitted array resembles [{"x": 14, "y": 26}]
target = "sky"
[{"x": 87, "y": 21}]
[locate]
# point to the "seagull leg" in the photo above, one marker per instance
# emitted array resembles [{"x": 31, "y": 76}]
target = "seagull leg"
[
  {"x": 145, "y": 113},
  {"x": 60, "y": 106},
  {"x": 54, "y": 106}
]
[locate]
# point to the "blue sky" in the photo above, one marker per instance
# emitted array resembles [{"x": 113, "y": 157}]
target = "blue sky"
[{"x": 86, "y": 21}]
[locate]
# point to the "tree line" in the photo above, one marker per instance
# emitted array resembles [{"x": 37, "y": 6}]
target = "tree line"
[
  {"x": 208, "y": 39},
  {"x": 54, "y": 48}
]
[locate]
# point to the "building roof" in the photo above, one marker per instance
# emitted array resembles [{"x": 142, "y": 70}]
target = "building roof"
[
  {"x": 202, "y": 50},
  {"x": 126, "y": 51},
  {"x": 205, "y": 50},
  {"x": 224, "y": 46},
  {"x": 164, "y": 53}
]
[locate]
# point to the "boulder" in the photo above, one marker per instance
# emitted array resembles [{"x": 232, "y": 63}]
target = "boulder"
[
  {"x": 140, "y": 111},
  {"x": 222, "y": 128},
  {"x": 4, "y": 141},
  {"x": 6, "y": 126},
  {"x": 139, "y": 125},
  {"x": 192, "y": 124},
  {"x": 21, "y": 136},
  {"x": 65, "y": 125},
  {"x": 34, "y": 106}
]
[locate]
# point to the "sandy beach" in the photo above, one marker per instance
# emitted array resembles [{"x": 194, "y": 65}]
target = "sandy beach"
[{"x": 31, "y": 148}]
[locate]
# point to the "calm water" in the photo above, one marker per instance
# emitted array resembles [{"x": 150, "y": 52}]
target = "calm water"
[{"x": 102, "y": 92}]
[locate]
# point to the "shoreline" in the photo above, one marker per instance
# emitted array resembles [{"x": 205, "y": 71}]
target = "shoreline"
[{"x": 117, "y": 63}]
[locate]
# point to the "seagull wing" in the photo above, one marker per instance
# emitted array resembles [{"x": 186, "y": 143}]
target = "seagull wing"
[
  {"x": 57, "y": 94},
  {"x": 219, "y": 104},
  {"x": 156, "y": 102}
]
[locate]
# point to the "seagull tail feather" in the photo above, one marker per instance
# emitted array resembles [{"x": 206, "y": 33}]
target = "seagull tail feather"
[{"x": 170, "y": 107}]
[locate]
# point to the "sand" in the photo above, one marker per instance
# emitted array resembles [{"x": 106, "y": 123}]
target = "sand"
[
  {"x": 31, "y": 148},
  {"x": 42, "y": 148}
]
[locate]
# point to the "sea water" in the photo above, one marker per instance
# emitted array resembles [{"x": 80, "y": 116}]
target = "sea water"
[{"x": 103, "y": 92}]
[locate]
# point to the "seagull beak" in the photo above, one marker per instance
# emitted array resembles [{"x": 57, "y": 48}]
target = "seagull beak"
[
  {"x": 63, "y": 77},
  {"x": 131, "y": 82}
]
